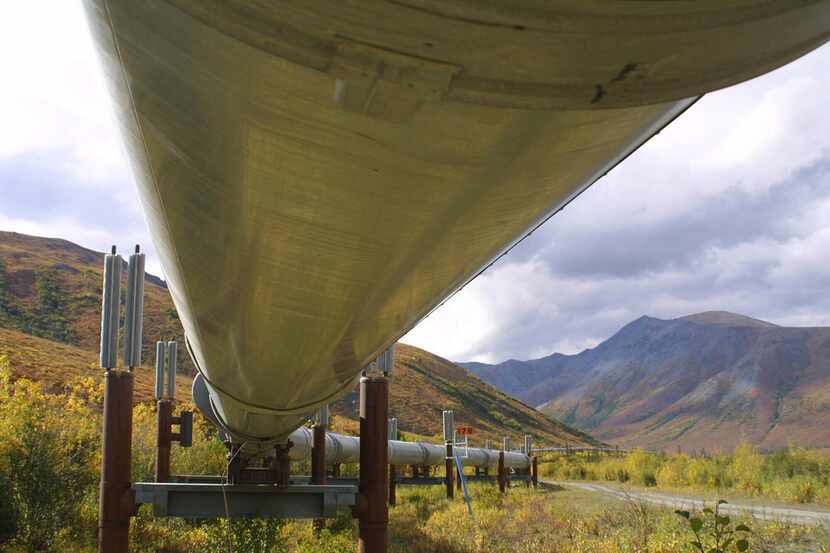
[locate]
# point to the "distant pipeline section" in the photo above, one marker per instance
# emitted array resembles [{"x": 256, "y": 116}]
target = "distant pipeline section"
[{"x": 346, "y": 449}]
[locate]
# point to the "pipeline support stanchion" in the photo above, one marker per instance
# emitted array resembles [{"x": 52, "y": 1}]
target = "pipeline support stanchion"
[
  {"x": 502, "y": 477},
  {"x": 165, "y": 396},
  {"x": 115, "y": 500},
  {"x": 448, "y": 424},
  {"x": 373, "y": 510},
  {"x": 116, "y": 504},
  {"x": 318, "y": 457},
  {"x": 393, "y": 476},
  {"x": 282, "y": 463},
  {"x": 534, "y": 471},
  {"x": 393, "y": 469},
  {"x": 450, "y": 471},
  {"x": 164, "y": 415}
]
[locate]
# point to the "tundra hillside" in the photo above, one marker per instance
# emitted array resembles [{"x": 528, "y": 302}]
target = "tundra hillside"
[{"x": 50, "y": 324}]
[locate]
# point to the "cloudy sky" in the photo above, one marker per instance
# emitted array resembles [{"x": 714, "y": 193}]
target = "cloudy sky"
[{"x": 728, "y": 208}]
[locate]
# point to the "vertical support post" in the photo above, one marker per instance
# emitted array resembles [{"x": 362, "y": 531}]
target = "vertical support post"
[
  {"x": 449, "y": 462},
  {"x": 534, "y": 471},
  {"x": 505, "y": 446},
  {"x": 458, "y": 478},
  {"x": 116, "y": 504},
  {"x": 502, "y": 477},
  {"x": 393, "y": 477},
  {"x": 393, "y": 469},
  {"x": 283, "y": 463},
  {"x": 449, "y": 465},
  {"x": 318, "y": 456},
  {"x": 318, "y": 450},
  {"x": 164, "y": 439},
  {"x": 373, "y": 511}
]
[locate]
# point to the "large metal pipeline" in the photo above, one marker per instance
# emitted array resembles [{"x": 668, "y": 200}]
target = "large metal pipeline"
[
  {"x": 318, "y": 175},
  {"x": 346, "y": 449}
]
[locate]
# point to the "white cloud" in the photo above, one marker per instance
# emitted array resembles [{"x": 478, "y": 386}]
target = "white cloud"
[
  {"x": 680, "y": 193},
  {"x": 55, "y": 108},
  {"x": 53, "y": 96}
]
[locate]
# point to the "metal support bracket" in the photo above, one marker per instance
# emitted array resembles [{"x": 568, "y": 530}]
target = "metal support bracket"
[{"x": 203, "y": 500}]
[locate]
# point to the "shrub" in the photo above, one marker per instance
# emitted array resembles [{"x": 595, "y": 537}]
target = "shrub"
[
  {"x": 8, "y": 511},
  {"x": 48, "y": 464},
  {"x": 674, "y": 472},
  {"x": 714, "y": 532},
  {"x": 746, "y": 469},
  {"x": 642, "y": 467}
]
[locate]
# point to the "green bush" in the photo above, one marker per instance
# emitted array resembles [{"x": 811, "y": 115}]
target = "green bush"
[
  {"x": 46, "y": 462},
  {"x": 8, "y": 511}
]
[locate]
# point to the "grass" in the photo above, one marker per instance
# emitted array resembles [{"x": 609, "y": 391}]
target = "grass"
[
  {"x": 538, "y": 521},
  {"x": 791, "y": 475},
  {"x": 50, "y": 453}
]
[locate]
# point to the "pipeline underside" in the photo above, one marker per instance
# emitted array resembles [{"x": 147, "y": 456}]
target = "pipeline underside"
[
  {"x": 346, "y": 449},
  {"x": 318, "y": 175}
]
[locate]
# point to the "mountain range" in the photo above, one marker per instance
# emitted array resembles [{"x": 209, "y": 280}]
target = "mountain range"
[
  {"x": 50, "y": 306},
  {"x": 704, "y": 381}
]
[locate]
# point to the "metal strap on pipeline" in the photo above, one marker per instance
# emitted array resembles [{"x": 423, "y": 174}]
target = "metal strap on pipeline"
[
  {"x": 424, "y": 450},
  {"x": 334, "y": 446}
]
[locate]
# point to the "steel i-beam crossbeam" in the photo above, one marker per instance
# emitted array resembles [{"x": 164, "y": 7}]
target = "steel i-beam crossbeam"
[{"x": 217, "y": 499}]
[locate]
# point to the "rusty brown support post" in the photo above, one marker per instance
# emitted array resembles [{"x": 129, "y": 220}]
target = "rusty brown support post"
[
  {"x": 393, "y": 480},
  {"x": 335, "y": 470},
  {"x": 373, "y": 510},
  {"x": 450, "y": 471},
  {"x": 318, "y": 465},
  {"x": 116, "y": 504},
  {"x": 164, "y": 438},
  {"x": 458, "y": 478},
  {"x": 283, "y": 464},
  {"x": 502, "y": 476},
  {"x": 534, "y": 471}
]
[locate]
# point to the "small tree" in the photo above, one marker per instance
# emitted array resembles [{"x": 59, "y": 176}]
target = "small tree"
[{"x": 714, "y": 532}]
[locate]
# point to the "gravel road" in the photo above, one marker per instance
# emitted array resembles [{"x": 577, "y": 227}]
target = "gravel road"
[{"x": 763, "y": 512}]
